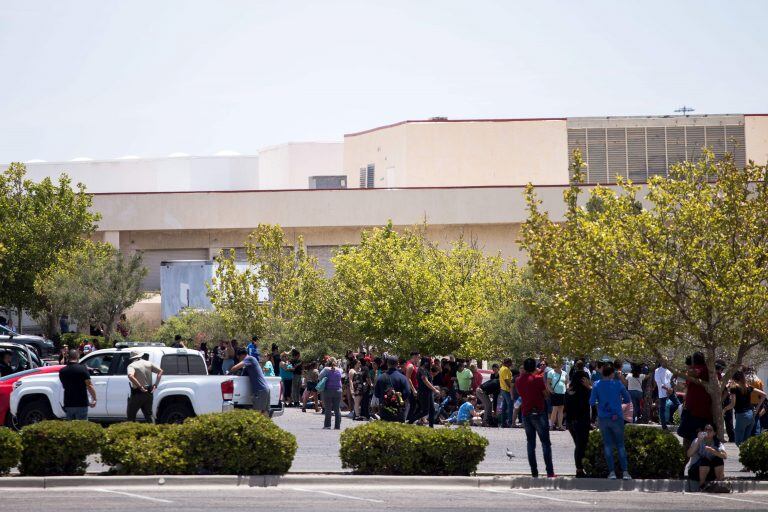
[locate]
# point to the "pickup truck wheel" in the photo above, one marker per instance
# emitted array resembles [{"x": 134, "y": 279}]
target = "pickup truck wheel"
[
  {"x": 35, "y": 412},
  {"x": 175, "y": 413}
]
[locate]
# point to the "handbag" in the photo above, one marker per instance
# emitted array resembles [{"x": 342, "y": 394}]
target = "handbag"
[{"x": 321, "y": 384}]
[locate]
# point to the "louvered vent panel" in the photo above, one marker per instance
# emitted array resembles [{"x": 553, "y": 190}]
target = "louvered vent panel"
[
  {"x": 597, "y": 170},
  {"x": 657, "y": 152},
  {"x": 735, "y": 144},
  {"x": 577, "y": 139},
  {"x": 371, "y": 176},
  {"x": 636, "y": 156},
  {"x": 716, "y": 140},
  {"x": 362, "y": 177},
  {"x": 695, "y": 138},
  {"x": 617, "y": 153},
  {"x": 675, "y": 145}
]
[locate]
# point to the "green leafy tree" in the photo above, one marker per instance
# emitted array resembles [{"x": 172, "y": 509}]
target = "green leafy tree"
[
  {"x": 37, "y": 222},
  {"x": 278, "y": 296},
  {"x": 400, "y": 291},
  {"x": 93, "y": 283},
  {"x": 513, "y": 329},
  {"x": 688, "y": 271},
  {"x": 197, "y": 325}
]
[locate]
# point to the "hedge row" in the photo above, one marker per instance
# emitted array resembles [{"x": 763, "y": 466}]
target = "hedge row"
[
  {"x": 383, "y": 448},
  {"x": 651, "y": 453},
  {"x": 238, "y": 442}
]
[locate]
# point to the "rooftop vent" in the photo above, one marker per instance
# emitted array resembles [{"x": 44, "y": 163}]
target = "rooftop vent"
[{"x": 439, "y": 118}]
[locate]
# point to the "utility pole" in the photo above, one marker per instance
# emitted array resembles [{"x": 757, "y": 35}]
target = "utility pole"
[{"x": 684, "y": 110}]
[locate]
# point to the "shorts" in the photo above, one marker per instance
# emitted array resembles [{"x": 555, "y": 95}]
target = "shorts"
[
  {"x": 710, "y": 463},
  {"x": 690, "y": 426},
  {"x": 261, "y": 401},
  {"x": 557, "y": 400},
  {"x": 518, "y": 403}
]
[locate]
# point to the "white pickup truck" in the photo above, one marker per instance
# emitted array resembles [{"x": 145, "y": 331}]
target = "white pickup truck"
[{"x": 185, "y": 389}]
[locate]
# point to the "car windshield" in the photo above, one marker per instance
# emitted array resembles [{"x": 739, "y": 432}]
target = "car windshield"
[{"x": 18, "y": 374}]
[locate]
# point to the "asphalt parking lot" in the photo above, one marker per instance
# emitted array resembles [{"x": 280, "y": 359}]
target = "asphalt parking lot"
[
  {"x": 335, "y": 498},
  {"x": 318, "y": 449}
]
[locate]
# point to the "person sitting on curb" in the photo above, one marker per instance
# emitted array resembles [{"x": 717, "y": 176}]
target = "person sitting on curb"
[{"x": 707, "y": 455}]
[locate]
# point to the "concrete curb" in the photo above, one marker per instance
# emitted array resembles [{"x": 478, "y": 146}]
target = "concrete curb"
[{"x": 339, "y": 479}]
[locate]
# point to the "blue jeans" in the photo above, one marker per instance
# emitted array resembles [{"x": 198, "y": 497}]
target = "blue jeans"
[
  {"x": 537, "y": 424},
  {"x": 506, "y": 408},
  {"x": 636, "y": 397},
  {"x": 663, "y": 409},
  {"x": 743, "y": 428},
  {"x": 76, "y": 413},
  {"x": 613, "y": 437}
]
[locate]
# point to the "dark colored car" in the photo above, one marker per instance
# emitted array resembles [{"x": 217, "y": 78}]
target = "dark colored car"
[{"x": 40, "y": 345}]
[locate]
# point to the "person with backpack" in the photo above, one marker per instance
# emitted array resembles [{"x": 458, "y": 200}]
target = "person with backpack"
[{"x": 392, "y": 390}]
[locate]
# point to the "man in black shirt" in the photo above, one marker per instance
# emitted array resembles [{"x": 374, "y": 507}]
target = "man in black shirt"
[
  {"x": 487, "y": 393},
  {"x": 77, "y": 384}
]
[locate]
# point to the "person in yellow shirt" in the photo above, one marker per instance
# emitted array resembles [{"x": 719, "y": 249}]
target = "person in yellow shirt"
[{"x": 505, "y": 383}]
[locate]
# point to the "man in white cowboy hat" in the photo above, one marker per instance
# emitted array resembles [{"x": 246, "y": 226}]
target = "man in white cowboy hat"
[{"x": 140, "y": 377}]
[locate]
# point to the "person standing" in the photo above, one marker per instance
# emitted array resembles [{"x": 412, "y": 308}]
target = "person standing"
[
  {"x": 391, "y": 384},
  {"x": 77, "y": 385},
  {"x": 697, "y": 406},
  {"x": 635, "y": 387},
  {"x": 556, "y": 385},
  {"x": 313, "y": 376},
  {"x": 332, "y": 394},
  {"x": 578, "y": 414},
  {"x": 259, "y": 386},
  {"x": 253, "y": 348},
  {"x": 744, "y": 414},
  {"x": 608, "y": 395},
  {"x": 298, "y": 370},
  {"x": 530, "y": 385},
  {"x": 178, "y": 342},
  {"x": 286, "y": 375},
  {"x": 464, "y": 378},
  {"x": 411, "y": 373},
  {"x": 663, "y": 379},
  {"x": 228, "y": 357},
  {"x": 505, "y": 384},
  {"x": 427, "y": 391},
  {"x": 140, "y": 378}
]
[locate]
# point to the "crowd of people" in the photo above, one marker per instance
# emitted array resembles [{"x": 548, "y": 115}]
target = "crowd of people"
[{"x": 539, "y": 395}]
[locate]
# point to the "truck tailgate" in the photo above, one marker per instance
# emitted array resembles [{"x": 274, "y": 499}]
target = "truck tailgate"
[{"x": 244, "y": 397}]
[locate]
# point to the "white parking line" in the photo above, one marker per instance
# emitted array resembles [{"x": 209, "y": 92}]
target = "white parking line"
[
  {"x": 337, "y": 495},
  {"x": 736, "y": 499},
  {"x": 536, "y": 496},
  {"x": 138, "y": 496}
]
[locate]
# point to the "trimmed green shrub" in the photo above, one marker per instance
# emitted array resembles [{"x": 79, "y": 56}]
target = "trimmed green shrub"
[
  {"x": 58, "y": 447},
  {"x": 753, "y": 454},
  {"x": 651, "y": 453},
  {"x": 10, "y": 449},
  {"x": 383, "y": 448},
  {"x": 240, "y": 442},
  {"x": 156, "y": 453},
  {"x": 122, "y": 437}
]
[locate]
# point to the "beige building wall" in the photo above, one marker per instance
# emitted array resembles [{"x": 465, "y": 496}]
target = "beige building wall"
[
  {"x": 461, "y": 153},
  {"x": 289, "y": 166},
  {"x": 756, "y": 137}
]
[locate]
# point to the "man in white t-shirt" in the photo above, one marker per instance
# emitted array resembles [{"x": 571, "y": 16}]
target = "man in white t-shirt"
[{"x": 663, "y": 378}]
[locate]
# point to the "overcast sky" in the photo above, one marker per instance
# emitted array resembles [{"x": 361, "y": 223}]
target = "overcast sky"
[{"x": 108, "y": 78}]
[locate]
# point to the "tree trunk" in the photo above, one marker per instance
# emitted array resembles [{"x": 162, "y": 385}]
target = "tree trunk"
[
  {"x": 716, "y": 395},
  {"x": 20, "y": 312}
]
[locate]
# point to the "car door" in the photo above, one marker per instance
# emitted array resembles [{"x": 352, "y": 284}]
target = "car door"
[
  {"x": 99, "y": 367},
  {"x": 119, "y": 389}
]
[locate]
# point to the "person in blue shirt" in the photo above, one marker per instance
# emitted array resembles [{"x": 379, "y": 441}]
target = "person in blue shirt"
[
  {"x": 608, "y": 394},
  {"x": 253, "y": 348},
  {"x": 465, "y": 414},
  {"x": 259, "y": 385}
]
